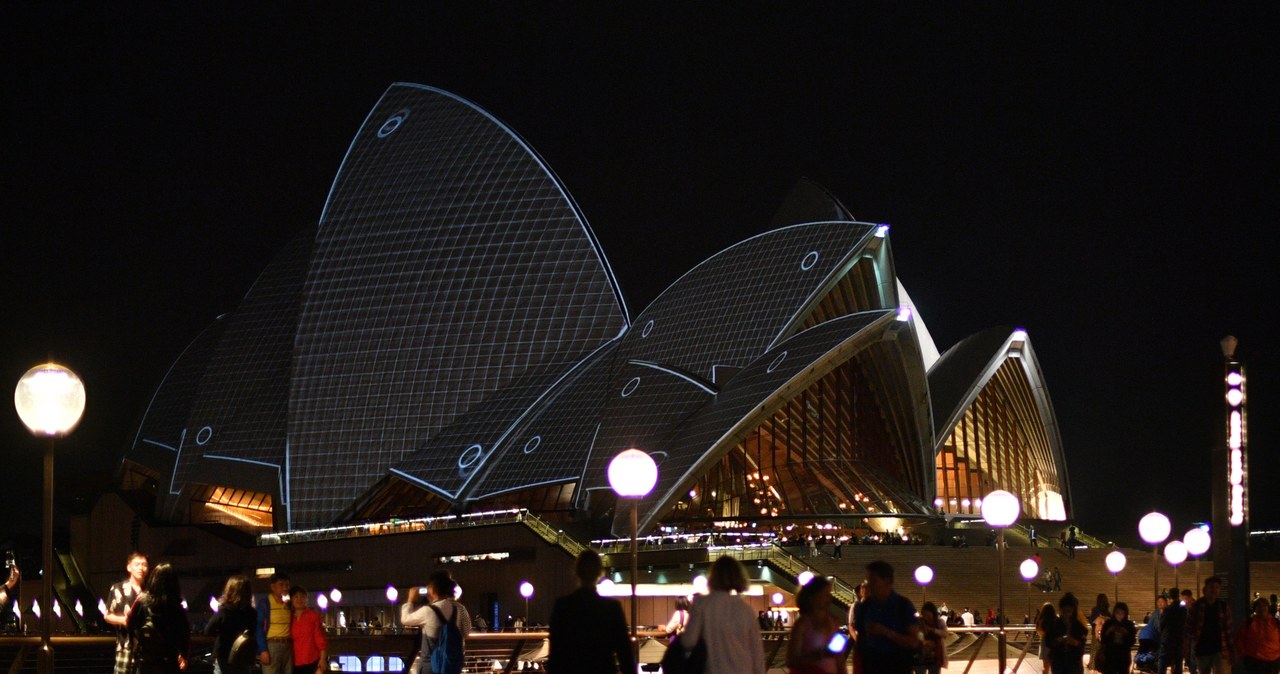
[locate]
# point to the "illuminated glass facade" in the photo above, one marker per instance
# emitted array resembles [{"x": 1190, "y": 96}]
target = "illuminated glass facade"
[{"x": 450, "y": 337}]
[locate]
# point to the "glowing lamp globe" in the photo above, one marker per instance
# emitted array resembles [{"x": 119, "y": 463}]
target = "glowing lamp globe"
[
  {"x": 632, "y": 473},
  {"x": 526, "y": 589},
  {"x": 1197, "y": 541},
  {"x": 322, "y": 602},
  {"x": 1175, "y": 552},
  {"x": 924, "y": 575},
  {"x": 214, "y": 604},
  {"x": 1000, "y": 508},
  {"x": 777, "y": 598},
  {"x": 335, "y": 595},
  {"x": 700, "y": 584},
  {"x": 49, "y": 399},
  {"x": 1116, "y": 561},
  {"x": 392, "y": 594},
  {"x": 1154, "y": 528},
  {"x": 804, "y": 578},
  {"x": 1029, "y": 569}
]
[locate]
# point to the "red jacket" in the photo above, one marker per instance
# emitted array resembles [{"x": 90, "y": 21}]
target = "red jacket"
[{"x": 308, "y": 637}]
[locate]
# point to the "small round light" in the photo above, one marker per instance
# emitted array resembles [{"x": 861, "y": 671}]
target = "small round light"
[
  {"x": 804, "y": 578},
  {"x": 322, "y": 602},
  {"x": 1235, "y": 379},
  {"x": 632, "y": 473},
  {"x": 777, "y": 598},
  {"x": 392, "y": 594},
  {"x": 1116, "y": 561},
  {"x": 1175, "y": 552},
  {"x": 49, "y": 399},
  {"x": 526, "y": 589},
  {"x": 1154, "y": 528},
  {"x": 937, "y": 502},
  {"x": 1029, "y": 569},
  {"x": 1000, "y": 508},
  {"x": 1234, "y": 397},
  {"x": 214, "y": 604},
  {"x": 1198, "y": 541},
  {"x": 700, "y": 584},
  {"x": 924, "y": 574},
  {"x": 336, "y": 595}
]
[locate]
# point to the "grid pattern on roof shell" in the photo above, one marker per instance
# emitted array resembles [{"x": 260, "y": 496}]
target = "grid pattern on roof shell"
[{"x": 449, "y": 263}]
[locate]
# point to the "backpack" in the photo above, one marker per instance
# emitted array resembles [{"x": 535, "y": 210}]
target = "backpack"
[
  {"x": 446, "y": 651},
  {"x": 148, "y": 645},
  {"x": 242, "y": 650}
]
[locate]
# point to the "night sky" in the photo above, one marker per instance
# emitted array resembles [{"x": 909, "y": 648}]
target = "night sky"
[{"x": 1104, "y": 177}]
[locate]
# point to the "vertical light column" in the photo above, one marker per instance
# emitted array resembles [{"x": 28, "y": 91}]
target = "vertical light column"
[{"x": 1236, "y": 535}]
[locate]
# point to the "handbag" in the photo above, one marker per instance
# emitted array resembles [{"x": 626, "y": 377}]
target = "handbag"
[
  {"x": 242, "y": 650},
  {"x": 677, "y": 661}
]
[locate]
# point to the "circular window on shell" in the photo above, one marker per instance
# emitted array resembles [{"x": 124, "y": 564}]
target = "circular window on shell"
[
  {"x": 393, "y": 122},
  {"x": 776, "y": 362},
  {"x": 648, "y": 328},
  {"x": 630, "y": 387},
  {"x": 532, "y": 444},
  {"x": 470, "y": 456},
  {"x": 810, "y": 259}
]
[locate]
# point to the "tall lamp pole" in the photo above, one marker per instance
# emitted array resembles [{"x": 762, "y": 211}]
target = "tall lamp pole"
[
  {"x": 632, "y": 474},
  {"x": 1175, "y": 552},
  {"x": 1154, "y": 528},
  {"x": 1029, "y": 569},
  {"x": 1198, "y": 542},
  {"x": 924, "y": 576},
  {"x": 1115, "y": 564},
  {"x": 526, "y": 591},
  {"x": 50, "y": 400},
  {"x": 1000, "y": 509}
]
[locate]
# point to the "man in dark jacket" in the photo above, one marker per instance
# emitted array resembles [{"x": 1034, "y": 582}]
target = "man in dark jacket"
[
  {"x": 589, "y": 632},
  {"x": 1207, "y": 636}
]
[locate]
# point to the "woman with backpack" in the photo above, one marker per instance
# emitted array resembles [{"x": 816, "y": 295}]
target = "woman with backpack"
[
  {"x": 439, "y": 614},
  {"x": 159, "y": 632},
  {"x": 235, "y": 619}
]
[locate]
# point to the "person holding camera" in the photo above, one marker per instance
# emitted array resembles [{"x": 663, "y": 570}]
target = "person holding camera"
[{"x": 431, "y": 614}]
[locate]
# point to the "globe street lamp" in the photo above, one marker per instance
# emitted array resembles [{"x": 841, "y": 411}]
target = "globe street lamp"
[
  {"x": 1175, "y": 552},
  {"x": 526, "y": 591},
  {"x": 632, "y": 474},
  {"x": 1115, "y": 564},
  {"x": 1029, "y": 569},
  {"x": 924, "y": 576},
  {"x": 1197, "y": 541},
  {"x": 1154, "y": 529},
  {"x": 50, "y": 401},
  {"x": 1000, "y": 509}
]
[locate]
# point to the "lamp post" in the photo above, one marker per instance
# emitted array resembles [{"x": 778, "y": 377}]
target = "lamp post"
[
  {"x": 1115, "y": 564},
  {"x": 1000, "y": 509},
  {"x": 49, "y": 399},
  {"x": 526, "y": 591},
  {"x": 1175, "y": 552},
  {"x": 632, "y": 473},
  {"x": 924, "y": 576},
  {"x": 1154, "y": 528},
  {"x": 1197, "y": 541},
  {"x": 1029, "y": 569}
]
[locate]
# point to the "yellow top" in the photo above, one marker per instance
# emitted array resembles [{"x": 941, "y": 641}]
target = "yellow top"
[{"x": 278, "y": 625}]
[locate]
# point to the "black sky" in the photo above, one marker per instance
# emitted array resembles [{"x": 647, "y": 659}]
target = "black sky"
[{"x": 1104, "y": 177}]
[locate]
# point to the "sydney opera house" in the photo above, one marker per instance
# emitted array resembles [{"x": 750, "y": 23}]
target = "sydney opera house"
[{"x": 450, "y": 338}]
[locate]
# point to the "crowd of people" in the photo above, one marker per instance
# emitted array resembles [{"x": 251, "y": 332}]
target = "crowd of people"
[{"x": 279, "y": 633}]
